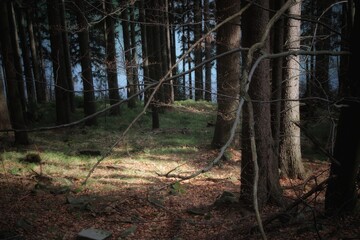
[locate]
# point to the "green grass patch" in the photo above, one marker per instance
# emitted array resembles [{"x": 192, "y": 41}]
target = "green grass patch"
[{"x": 183, "y": 131}]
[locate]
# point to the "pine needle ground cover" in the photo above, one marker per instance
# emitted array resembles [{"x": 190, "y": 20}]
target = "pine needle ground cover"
[{"x": 129, "y": 195}]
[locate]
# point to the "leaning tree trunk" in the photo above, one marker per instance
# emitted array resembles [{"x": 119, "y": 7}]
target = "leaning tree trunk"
[
  {"x": 228, "y": 72},
  {"x": 254, "y": 22},
  {"x": 290, "y": 147},
  {"x": 14, "y": 104},
  {"x": 341, "y": 194}
]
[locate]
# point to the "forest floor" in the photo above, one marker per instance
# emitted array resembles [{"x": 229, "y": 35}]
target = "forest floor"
[{"x": 129, "y": 195}]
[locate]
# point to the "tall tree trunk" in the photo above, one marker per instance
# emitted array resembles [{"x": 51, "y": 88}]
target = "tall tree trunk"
[
  {"x": 14, "y": 104},
  {"x": 67, "y": 60},
  {"x": 30, "y": 90},
  {"x": 145, "y": 61},
  {"x": 35, "y": 45},
  {"x": 322, "y": 83},
  {"x": 254, "y": 22},
  {"x": 128, "y": 58},
  {"x": 59, "y": 68},
  {"x": 154, "y": 56},
  {"x": 341, "y": 194},
  {"x": 167, "y": 53},
  {"x": 111, "y": 63},
  {"x": 199, "y": 91},
  {"x": 18, "y": 66},
  {"x": 183, "y": 44},
  {"x": 277, "y": 77},
  {"x": 228, "y": 72},
  {"x": 85, "y": 59},
  {"x": 290, "y": 147},
  {"x": 133, "y": 44},
  {"x": 189, "y": 61},
  {"x": 172, "y": 32},
  {"x": 207, "y": 52}
]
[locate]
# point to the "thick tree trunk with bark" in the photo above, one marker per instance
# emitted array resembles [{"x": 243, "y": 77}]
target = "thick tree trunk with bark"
[
  {"x": 290, "y": 146},
  {"x": 341, "y": 193},
  {"x": 254, "y": 22},
  {"x": 228, "y": 72},
  {"x": 14, "y": 104}
]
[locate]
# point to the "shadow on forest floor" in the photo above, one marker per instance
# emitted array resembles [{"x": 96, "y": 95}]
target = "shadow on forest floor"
[{"x": 129, "y": 196}]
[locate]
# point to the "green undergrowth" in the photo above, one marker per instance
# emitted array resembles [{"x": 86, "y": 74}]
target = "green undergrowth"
[{"x": 183, "y": 132}]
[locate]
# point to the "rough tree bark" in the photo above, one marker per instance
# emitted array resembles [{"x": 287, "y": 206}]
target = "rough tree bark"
[
  {"x": 277, "y": 76},
  {"x": 290, "y": 146},
  {"x": 254, "y": 23},
  {"x": 228, "y": 71}
]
